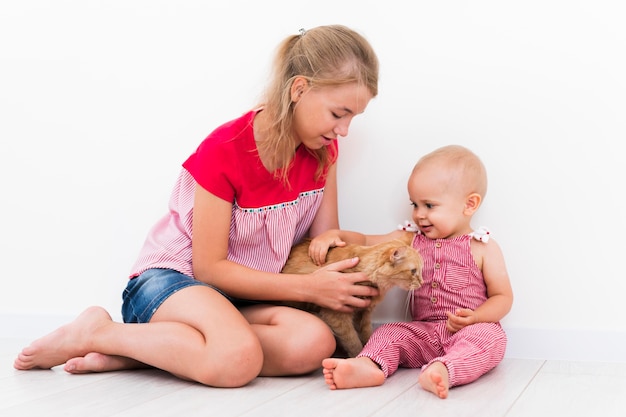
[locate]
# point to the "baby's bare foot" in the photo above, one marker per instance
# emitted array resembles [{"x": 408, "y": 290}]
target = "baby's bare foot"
[
  {"x": 435, "y": 379},
  {"x": 69, "y": 341},
  {"x": 352, "y": 373},
  {"x": 97, "y": 362}
]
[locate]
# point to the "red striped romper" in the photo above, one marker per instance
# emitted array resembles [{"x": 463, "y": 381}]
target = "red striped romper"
[{"x": 451, "y": 280}]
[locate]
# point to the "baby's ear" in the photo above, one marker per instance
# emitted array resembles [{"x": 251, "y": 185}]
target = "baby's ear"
[{"x": 472, "y": 202}]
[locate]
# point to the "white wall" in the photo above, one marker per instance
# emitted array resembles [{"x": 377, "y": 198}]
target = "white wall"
[{"x": 100, "y": 102}]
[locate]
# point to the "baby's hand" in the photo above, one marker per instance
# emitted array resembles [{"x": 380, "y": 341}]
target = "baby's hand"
[
  {"x": 318, "y": 248},
  {"x": 462, "y": 317}
]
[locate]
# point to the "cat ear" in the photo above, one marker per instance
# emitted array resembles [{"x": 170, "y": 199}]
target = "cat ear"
[{"x": 397, "y": 254}]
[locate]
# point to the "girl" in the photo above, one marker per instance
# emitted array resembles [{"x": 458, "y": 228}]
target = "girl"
[{"x": 253, "y": 188}]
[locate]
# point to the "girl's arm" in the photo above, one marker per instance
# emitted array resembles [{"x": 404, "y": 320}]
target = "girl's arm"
[
  {"x": 211, "y": 225},
  {"x": 327, "y": 216}
]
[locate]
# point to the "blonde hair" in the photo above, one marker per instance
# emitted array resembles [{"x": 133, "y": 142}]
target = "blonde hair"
[
  {"x": 326, "y": 56},
  {"x": 465, "y": 167}
]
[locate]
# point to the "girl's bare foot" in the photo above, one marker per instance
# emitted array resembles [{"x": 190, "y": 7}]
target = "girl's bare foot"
[
  {"x": 352, "y": 373},
  {"x": 69, "y": 341},
  {"x": 435, "y": 379},
  {"x": 98, "y": 362}
]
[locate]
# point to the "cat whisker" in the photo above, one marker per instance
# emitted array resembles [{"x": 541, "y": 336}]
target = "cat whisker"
[{"x": 408, "y": 304}]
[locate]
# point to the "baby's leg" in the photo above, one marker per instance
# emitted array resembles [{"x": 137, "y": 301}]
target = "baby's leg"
[
  {"x": 472, "y": 352},
  {"x": 352, "y": 373},
  {"x": 392, "y": 345},
  {"x": 435, "y": 379}
]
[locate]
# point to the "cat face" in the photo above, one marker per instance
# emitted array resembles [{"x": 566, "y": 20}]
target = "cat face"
[{"x": 402, "y": 268}]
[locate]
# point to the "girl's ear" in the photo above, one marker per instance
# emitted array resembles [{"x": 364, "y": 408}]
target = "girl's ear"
[
  {"x": 298, "y": 87},
  {"x": 472, "y": 202}
]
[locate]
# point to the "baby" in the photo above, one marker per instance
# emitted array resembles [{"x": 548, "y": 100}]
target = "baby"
[{"x": 455, "y": 335}]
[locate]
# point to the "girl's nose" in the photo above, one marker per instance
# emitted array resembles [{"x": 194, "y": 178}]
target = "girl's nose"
[{"x": 342, "y": 128}]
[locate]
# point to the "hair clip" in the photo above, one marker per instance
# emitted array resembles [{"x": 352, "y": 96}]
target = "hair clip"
[{"x": 302, "y": 31}]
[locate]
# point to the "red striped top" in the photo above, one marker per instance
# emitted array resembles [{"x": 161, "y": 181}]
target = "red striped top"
[
  {"x": 267, "y": 217},
  {"x": 451, "y": 278}
]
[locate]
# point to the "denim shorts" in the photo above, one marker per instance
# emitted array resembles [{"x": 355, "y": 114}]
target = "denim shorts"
[{"x": 145, "y": 293}]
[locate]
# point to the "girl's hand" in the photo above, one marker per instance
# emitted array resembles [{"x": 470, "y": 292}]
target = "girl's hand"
[
  {"x": 462, "y": 317},
  {"x": 338, "y": 290},
  {"x": 318, "y": 248}
]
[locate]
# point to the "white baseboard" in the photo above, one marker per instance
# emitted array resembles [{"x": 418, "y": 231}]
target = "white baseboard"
[
  {"x": 566, "y": 344},
  {"x": 546, "y": 344},
  {"x": 30, "y": 326},
  {"x": 33, "y": 326}
]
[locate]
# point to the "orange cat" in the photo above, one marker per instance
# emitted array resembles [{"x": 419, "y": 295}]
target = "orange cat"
[{"x": 389, "y": 264}]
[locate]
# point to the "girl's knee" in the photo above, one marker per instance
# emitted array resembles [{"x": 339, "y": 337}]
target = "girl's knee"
[
  {"x": 306, "y": 349},
  {"x": 321, "y": 344},
  {"x": 232, "y": 364}
]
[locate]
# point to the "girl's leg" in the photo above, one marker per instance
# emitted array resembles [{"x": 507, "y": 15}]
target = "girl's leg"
[
  {"x": 294, "y": 342},
  {"x": 65, "y": 342},
  {"x": 196, "y": 334}
]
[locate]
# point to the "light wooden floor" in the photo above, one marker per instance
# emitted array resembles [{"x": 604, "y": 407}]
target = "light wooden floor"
[{"x": 517, "y": 387}]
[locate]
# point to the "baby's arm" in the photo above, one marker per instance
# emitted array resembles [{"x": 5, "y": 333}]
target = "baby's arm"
[
  {"x": 318, "y": 248},
  {"x": 336, "y": 237},
  {"x": 499, "y": 291}
]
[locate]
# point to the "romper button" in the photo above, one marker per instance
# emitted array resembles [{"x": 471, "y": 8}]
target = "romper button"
[
  {"x": 434, "y": 285},
  {"x": 433, "y": 300},
  {"x": 438, "y": 244},
  {"x": 437, "y": 265}
]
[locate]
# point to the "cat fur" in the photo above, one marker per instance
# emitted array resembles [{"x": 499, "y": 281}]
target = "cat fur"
[{"x": 389, "y": 264}]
